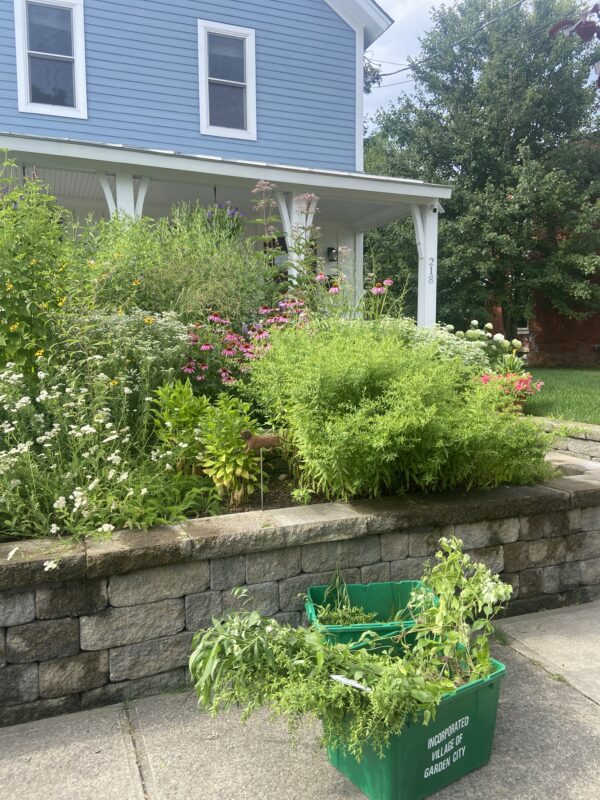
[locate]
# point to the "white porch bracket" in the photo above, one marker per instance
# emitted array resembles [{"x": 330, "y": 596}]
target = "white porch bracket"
[
  {"x": 297, "y": 214},
  {"x": 425, "y": 219},
  {"x": 124, "y": 200}
]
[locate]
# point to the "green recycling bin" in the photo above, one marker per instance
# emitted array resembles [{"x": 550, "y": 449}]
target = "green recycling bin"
[
  {"x": 387, "y": 600},
  {"x": 425, "y": 758}
]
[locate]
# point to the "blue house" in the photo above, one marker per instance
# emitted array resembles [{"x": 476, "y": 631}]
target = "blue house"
[{"x": 133, "y": 106}]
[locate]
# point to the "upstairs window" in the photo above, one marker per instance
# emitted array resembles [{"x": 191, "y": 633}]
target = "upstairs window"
[
  {"x": 227, "y": 80},
  {"x": 51, "y": 57}
]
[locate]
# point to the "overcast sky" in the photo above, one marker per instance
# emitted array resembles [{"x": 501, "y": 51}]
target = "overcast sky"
[{"x": 401, "y": 40}]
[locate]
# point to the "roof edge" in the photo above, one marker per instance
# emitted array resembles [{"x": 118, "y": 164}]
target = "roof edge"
[{"x": 364, "y": 15}]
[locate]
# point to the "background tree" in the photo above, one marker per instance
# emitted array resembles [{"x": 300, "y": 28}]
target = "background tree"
[{"x": 505, "y": 114}]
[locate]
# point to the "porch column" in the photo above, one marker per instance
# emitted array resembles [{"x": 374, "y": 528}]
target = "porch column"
[
  {"x": 297, "y": 212},
  {"x": 358, "y": 278},
  {"x": 124, "y": 199},
  {"x": 425, "y": 220}
]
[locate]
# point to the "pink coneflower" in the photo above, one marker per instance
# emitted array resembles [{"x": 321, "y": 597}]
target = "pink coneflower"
[
  {"x": 258, "y": 335},
  {"x": 321, "y": 277},
  {"x": 189, "y": 368},
  {"x": 203, "y": 367},
  {"x": 265, "y": 310},
  {"x": 279, "y": 320},
  {"x": 388, "y": 282},
  {"x": 334, "y": 289},
  {"x": 378, "y": 289},
  {"x": 231, "y": 337},
  {"x": 207, "y": 347},
  {"x": 218, "y": 319},
  {"x": 200, "y": 378},
  {"x": 193, "y": 337},
  {"x": 228, "y": 352},
  {"x": 226, "y": 377}
]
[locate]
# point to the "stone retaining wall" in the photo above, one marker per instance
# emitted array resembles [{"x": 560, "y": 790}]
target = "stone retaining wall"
[
  {"x": 582, "y": 441},
  {"x": 102, "y": 621}
]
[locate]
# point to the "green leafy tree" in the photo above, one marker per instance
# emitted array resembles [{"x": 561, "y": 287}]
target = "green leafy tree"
[{"x": 496, "y": 110}]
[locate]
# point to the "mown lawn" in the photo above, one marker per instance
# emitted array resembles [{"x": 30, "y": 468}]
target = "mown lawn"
[{"x": 571, "y": 394}]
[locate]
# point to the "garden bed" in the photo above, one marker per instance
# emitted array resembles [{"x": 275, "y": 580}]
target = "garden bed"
[{"x": 99, "y": 621}]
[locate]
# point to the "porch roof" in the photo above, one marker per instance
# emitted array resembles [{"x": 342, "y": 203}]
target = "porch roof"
[{"x": 353, "y": 199}]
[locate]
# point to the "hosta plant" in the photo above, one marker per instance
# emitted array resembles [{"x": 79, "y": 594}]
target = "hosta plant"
[{"x": 235, "y": 470}]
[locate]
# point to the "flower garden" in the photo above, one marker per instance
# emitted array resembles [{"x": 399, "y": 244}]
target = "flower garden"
[{"x": 139, "y": 356}]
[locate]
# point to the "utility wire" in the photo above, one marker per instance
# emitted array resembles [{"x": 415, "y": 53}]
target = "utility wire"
[
  {"x": 510, "y": 45},
  {"x": 459, "y": 41}
]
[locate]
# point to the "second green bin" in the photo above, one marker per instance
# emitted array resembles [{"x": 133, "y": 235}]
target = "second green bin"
[{"x": 388, "y": 600}]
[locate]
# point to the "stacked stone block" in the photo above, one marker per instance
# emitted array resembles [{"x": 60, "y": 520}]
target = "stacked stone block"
[{"x": 115, "y": 620}]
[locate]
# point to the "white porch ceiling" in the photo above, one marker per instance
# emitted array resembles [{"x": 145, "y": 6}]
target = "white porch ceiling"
[{"x": 351, "y": 200}]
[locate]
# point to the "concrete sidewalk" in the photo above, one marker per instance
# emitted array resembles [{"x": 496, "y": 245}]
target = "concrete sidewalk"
[{"x": 547, "y": 742}]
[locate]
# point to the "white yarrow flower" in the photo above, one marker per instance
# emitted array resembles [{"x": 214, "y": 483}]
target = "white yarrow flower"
[
  {"x": 50, "y": 565},
  {"x": 106, "y": 528},
  {"x": 60, "y": 503}
]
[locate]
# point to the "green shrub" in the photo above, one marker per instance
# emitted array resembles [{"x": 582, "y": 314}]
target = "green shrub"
[
  {"x": 34, "y": 269},
  {"x": 192, "y": 262},
  {"x": 367, "y": 410}
]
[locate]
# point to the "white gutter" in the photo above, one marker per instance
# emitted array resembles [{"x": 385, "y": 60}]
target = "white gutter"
[{"x": 165, "y": 165}]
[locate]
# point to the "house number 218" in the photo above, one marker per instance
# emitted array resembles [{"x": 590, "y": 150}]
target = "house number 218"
[{"x": 431, "y": 278}]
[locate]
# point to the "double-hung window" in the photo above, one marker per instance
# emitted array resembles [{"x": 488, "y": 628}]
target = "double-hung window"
[
  {"x": 51, "y": 57},
  {"x": 227, "y": 80}
]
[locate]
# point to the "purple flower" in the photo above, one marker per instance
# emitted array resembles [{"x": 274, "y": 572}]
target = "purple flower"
[
  {"x": 321, "y": 277},
  {"x": 378, "y": 289},
  {"x": 189, "y": 368},
  {"x": 335, "y": 289},
  {"x": 388, "y": 282},
  {"x": 207, "y": 347},
  {"x": 228, "y": 352}
]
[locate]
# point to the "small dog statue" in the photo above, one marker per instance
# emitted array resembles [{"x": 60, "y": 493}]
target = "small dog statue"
[{"x": 254, "y": 442}]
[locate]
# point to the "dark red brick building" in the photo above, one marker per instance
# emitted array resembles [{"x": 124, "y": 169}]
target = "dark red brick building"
[{"x": 557, "y": 341}]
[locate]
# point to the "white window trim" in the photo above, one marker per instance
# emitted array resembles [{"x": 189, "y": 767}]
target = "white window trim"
[
  {"x": 79, "y": 71},
  {"x": 204, "y": 28}
]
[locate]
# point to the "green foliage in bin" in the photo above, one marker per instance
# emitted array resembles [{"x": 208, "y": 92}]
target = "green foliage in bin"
[
  {"x": 336, "y": 607},
  {"x": 250, "y": 661}
]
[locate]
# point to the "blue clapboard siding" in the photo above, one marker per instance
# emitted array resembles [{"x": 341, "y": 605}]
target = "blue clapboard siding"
[{"x": 142, "y": 80}]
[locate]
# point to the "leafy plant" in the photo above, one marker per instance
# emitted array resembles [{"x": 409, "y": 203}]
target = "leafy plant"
[
  {"x": 374, "y": 407},
  {"x": 453, "y": 612},
  {"x": 34, "y": 268},
  {"x": 250, "y": 661},
  {"x": 301, "y": 496},
  {"x": 234, "y": 470},
  {"x": 179, "y": 416}
]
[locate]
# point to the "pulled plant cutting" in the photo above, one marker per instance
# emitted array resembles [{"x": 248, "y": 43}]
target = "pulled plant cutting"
[{"x": 362, "y": 695}]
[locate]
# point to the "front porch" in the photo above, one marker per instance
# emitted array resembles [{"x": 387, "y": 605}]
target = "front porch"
[{"x": 101, "y": 179}]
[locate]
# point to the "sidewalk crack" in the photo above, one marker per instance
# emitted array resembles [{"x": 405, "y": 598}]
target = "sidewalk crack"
[{"x": 139, "y": 749}]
